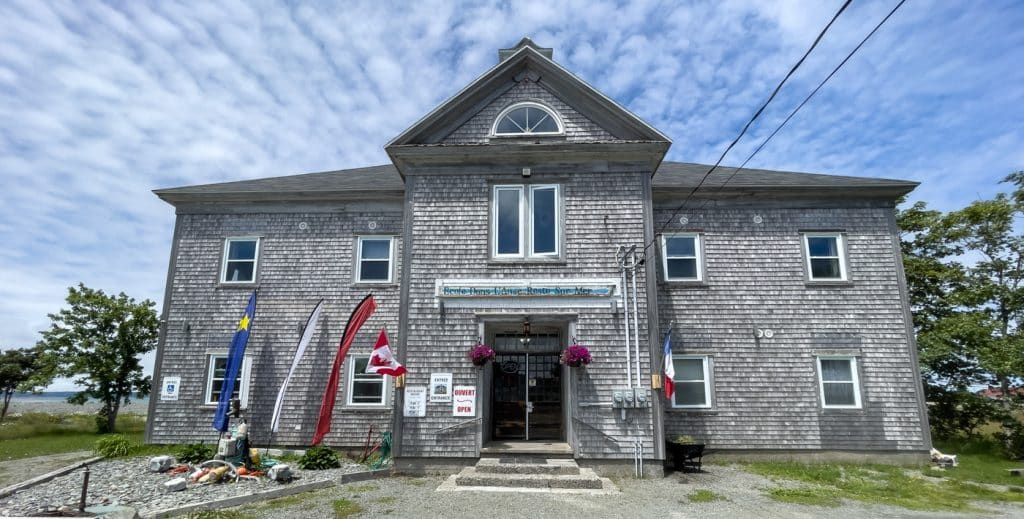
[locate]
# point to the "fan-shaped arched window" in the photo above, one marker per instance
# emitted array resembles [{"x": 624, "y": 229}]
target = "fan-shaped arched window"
[{"x": 527, "y": 119}]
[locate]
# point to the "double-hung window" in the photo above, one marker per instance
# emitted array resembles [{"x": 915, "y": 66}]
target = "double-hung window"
[
  {"x": 239, "y": 264},
  {"x": 681, "y": 257},
  {"x": 216, "y": 370},
  {"x": 825, "y": 258},
  {"x": 692, "y": 382},
  {"x": 838, "y": 381},
  {"x": 525, "y": 221},
  {"x": 364, "y": 388},
  {"x": 374, "y": 258}
]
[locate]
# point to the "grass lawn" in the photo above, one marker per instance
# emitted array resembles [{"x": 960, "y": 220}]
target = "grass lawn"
[
  {"x": 39, "y": 434},
  {"x": 950, "y": 490},
  {"x": 980, "y": 461}
]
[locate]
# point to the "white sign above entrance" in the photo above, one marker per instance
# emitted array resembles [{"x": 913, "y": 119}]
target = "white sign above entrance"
[{"x": 544, "y": 293}]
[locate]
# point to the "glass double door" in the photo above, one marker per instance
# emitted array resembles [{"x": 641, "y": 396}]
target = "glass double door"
[{"x": 527, "y": 390}]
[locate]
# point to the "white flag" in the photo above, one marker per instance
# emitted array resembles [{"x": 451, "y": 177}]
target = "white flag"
[{"x": 307, "y": 335}]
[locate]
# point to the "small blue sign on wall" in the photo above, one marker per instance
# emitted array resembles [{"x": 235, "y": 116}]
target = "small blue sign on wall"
[{"x": 170, "y": 388}]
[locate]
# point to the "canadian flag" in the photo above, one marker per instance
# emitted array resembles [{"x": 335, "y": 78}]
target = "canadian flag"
[{"x": 382, "y": 361}]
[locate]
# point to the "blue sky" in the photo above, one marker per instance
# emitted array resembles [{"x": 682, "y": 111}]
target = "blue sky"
[{"x": 102, "y": 102}]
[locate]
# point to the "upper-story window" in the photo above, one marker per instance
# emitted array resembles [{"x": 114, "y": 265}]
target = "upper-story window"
[
  {"x": 527, "y": 119},
  {"x": 240, "y": 255},
  {"x": 525, "y": 221},
  {"x": 825, "y": 258},
  {"x": 681, "y": 257},
  {"x": 373, "y": 259}
]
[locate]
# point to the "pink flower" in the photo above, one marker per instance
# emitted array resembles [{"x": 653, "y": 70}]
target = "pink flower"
[
  {"x": 480, "y": 354},
  {"x": 576, "y": 356}
]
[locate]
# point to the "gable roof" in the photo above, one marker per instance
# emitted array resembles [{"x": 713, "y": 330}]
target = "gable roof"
[
  {"x": 369, "y": 182},
  {"x": 452, "y": 113},
  {"x": 685, "y": 175},
  {"x": 383, "y": 181}
]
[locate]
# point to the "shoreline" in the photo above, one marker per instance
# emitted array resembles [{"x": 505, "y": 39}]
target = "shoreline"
[{"x": 29, "y": 405}]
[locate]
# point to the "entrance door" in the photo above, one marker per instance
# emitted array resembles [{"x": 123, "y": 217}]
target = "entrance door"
[{"x": 527, "y": 391}]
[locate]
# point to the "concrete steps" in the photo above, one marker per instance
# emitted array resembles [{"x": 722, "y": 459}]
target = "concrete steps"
[{"x": 530, "y": 474}]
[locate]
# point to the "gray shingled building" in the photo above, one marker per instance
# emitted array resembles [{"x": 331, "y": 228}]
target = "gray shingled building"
[{"x": 505, "y": 217}]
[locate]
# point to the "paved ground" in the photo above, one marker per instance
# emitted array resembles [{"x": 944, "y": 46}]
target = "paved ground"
[{"x": 662, "y": 498}]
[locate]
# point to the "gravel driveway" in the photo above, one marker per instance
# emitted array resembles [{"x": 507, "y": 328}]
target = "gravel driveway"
[{"x": 660, "y": 497}]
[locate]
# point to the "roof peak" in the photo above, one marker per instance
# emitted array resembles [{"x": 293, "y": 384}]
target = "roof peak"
[{"x": 504, "y": 54}]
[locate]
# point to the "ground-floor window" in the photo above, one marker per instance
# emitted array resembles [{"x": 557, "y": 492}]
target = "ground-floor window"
[
  {"x": 364, "y": 388},
  {"x": 838, "y": 381},
  {"x": 217, "y": 364},
  {"x": 692, "y": 381}
]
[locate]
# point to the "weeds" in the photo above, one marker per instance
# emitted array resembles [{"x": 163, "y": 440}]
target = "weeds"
[
  {"x": 345, "y": 508},
  {"x": 704, "y": 496}
]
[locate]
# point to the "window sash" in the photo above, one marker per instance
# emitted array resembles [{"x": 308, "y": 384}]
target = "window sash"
[
  {"x": 526, "y": 221},
  {"x": 215, "y": 372},
  {"x": 362, "y": 262},
  {"x": 689, "y": 386},
  {"x": 527, "y": 119},
  {"x": 364, "y": 389},
  {"x": 672, "y": 263},
  {"x": 829, "y": 265},
  {"x": 508, "y": 221},
  {"x": 543, "y": 242},
  {"x": 236, "y": 268},
  {"x": 839, "y": 391}
]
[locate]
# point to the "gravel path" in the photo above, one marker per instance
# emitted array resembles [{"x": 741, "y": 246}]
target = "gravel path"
[
  {"x": 128, "y": 482},
  {"x": 659, "y": 497},
  {"x": 16, "y": 471}
]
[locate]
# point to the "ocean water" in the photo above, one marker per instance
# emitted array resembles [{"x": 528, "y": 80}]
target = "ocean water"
[{"x": 55, "y": 397}]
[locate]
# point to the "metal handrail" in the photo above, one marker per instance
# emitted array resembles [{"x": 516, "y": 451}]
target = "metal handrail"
[
  {"x": 594, "y": 427},
  {"x": 460, "y": 424}
]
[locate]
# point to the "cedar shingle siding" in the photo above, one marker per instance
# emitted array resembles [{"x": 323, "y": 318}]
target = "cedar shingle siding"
[{"x": 436, "y": 200}]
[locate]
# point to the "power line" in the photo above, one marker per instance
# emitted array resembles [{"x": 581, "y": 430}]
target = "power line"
[
  {"x": 806, "y": 99},
  {"x": 752, "y": 119}
]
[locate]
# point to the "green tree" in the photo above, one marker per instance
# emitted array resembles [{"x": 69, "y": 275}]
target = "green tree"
[
  {"x": 965, "y": 278},
  {"x": 99, "y": 339},
  {"x": 17, "y": 367}
]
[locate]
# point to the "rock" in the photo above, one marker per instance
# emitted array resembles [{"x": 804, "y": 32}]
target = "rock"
[{"x": 175, "y": 485}]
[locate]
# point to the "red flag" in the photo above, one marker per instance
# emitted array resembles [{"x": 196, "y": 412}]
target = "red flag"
[
  {"x": 359, "y": 316},
  {"x": 382, "y": 361}
]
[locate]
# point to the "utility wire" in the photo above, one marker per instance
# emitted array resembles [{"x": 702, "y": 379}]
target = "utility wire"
[
  {"x": 751, "y": 121},
  {"x": 806, "y": 99}
]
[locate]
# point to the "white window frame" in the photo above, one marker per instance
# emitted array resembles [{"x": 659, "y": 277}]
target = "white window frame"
[
  {"x": 243, "y": 378},
  {"x": 696, "y": 251},
  {"x": 840, "y": 250},
  {"x": 358, "y": 274},
  {"x": 350, "y": 380},
  {"x": 706, "y": 367},
  {"x": 224, "y": 259},
  {"x": 525, "y": 220},
  {"x": 532, "y": 104},
  {"x": 853, "y": 373}
]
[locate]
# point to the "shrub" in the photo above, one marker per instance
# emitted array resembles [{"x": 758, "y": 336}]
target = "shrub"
[
  {"x": 195, "y": 453},
  {"x": 114, "y": 446},
  {"x": 319, "y": 458},
  {"x": 1011, "y": 439}
]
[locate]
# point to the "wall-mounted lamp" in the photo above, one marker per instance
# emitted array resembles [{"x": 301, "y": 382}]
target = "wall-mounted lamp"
[
  {"x": 400, "y": 381},
  {"x": 655, "y": 381},
  {"x": 526, "y": 172}
]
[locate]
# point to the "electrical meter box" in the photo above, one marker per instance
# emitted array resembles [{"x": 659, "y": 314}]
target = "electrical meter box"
[{"x": 630, "y": 398}]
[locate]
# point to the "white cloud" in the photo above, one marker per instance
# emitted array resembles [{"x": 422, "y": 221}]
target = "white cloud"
[{"x": 103, "y": 103}]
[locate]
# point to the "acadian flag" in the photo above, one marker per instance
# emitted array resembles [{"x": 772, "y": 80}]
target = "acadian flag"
[
  {"x": 670, "y": 370},
  {"x": 235, "y": 356},
  {"x": 307, "y": 335},
  {"x": 382, "y": 361},
  {"x": 359, "y": 316}
]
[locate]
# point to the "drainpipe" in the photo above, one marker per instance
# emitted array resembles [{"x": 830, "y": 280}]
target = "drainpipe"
[
  {"x": 621, "y": 257},
  {"x": 636, "y": 319}
]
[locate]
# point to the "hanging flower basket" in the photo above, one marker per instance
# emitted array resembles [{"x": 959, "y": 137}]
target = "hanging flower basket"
[
  {"x": 576, "y": 356},
  {"x": 480, "y": 354}
]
